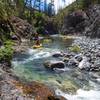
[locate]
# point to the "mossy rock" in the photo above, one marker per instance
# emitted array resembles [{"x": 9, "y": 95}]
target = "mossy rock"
[
  {"x": 75, "y": 48},
  {"x": 69, "y": 86}
]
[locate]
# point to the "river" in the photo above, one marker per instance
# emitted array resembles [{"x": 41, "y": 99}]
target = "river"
[{"x": 29, "y": 65}]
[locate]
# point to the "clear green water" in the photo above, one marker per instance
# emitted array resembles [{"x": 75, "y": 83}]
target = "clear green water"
[{"x": 29, "y": 65}]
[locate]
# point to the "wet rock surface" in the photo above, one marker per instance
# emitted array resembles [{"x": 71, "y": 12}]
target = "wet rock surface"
[
  {"x": 87, "y": 59},
  {"x": 57, "y": 54},
  {"x": 54, "y": 64},
  {"x": 11, "y": 88},
  {"x": 82, "y": 66},
  {"x": 90, "y": 49},
  {"x": 8, "y": 90}
]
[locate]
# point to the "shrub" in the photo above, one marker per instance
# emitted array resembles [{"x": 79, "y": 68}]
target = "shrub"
[{"x": 6, "y": 51}]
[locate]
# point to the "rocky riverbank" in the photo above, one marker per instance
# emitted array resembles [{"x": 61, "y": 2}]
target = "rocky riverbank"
[
  {"x": 81, "y": 22},
  {"x": 14, "y": 88},
  {"x": 82, "y": 57}
]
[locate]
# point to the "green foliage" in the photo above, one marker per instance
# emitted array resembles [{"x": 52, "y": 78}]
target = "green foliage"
[
  {"x": 5, "y": 10},
  {"x": 6, "y": 51},
  {"x": 40, "y": 20},
  {"x": 75, "y": 48},
  {"x": 77, "y": 5}
]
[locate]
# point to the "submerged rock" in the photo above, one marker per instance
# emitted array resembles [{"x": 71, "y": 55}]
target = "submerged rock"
[
  {"x": 54, "y": 64},
  {"x": 68, "y": 87},
  {"x": 39, "y": 91}
]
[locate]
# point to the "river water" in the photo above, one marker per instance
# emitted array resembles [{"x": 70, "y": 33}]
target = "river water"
[{"x": 29, "y": 65}]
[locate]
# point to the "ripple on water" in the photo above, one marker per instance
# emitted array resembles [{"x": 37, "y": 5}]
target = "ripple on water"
[
  {"x": 83, "y": 94},
  {"x": 31, "y": 67}
]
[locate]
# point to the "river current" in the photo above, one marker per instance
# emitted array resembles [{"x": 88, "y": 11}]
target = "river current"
[{"x": 29, "y": 65}]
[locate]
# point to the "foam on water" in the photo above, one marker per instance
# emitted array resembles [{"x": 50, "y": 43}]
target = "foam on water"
[
  {"x": 36, "y": 54},
  {"x": 81, "y": 95}
]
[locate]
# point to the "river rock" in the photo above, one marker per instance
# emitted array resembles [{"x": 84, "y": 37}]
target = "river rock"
[
  {"x": 54, "y": 64},
  {"x": 57, "y": 54},
  {"x": 95, "y": 67},
  {"x": 68, "y": 86},
  {"x": 72, "y": 63},
  {"x": 78, "y": 58},
  {"x": 84, "y": 64}
]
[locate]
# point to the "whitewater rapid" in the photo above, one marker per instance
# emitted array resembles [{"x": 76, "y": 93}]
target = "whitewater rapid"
[{"x": 82, "y": 94}]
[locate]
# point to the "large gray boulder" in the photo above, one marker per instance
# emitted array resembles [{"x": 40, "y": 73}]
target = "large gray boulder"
[{"x": 54, "y": 64}]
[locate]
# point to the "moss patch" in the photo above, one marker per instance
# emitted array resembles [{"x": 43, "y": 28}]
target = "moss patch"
[{"x": 75, "y": 48}]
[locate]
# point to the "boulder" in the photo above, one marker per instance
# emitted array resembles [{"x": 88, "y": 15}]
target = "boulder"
[
  {"x": 78, "y": 58},
  {"x": 54, "y": 64},
  {"x": 57, "y": 54},
  {"x": 84, "y": 64},
  {"x": 72, "y": 63},
  {"x": 95, "y": 66},
  {"x": 75, "y": 60}
]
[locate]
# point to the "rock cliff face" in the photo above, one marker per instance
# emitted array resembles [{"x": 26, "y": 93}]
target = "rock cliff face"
[
  {"x": 83, "y": 22},
  {"x": 93, "y": 28},
  {"x": 74, "y": 22},
  {"x": 22, "y": 27},
  {"x": 15, "y": 28}
]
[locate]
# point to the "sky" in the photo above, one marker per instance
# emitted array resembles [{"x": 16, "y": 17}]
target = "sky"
[
  {"x": 61, "y": 4},
  {"x": 58, "y": 4}
]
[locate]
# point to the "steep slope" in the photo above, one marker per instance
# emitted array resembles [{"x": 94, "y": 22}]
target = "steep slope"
[{"x": 79, "y": 18}]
